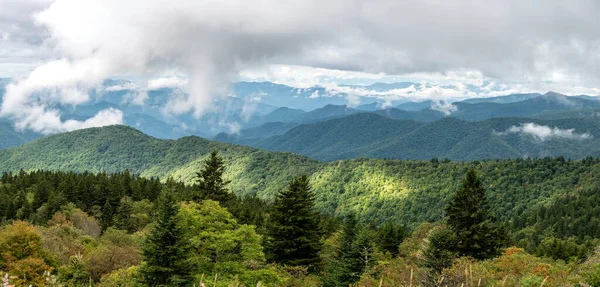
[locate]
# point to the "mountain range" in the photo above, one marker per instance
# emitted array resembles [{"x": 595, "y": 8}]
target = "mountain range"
[
  {"x": 539, "y": 126},
  {"x": 375, "y": 136},
  {"x": 282, "y": 118},
  {"x": 375, "y": 189}
]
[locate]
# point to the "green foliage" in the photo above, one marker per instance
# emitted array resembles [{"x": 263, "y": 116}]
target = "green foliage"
[
  {"x": 118, "y": 148},
  {"x": 129, "y": 277},
  {"x": 449, "y": 137},
  {"x": 222, "y": 246},
  {"x": 564, "y": 249},
  {"x": 469, "y": 217},
  {"x": 441, "y": 249},
  {"x": 572, "y": 216},
  {"x": 549, "y": 204},
  {"x": 133, "y": 215},
  {"x": 295, "y": 235},
  {"x": 513, "y": 268},
  {"x": 592, "y": 277},
  {"x": 354, "y": 257},
  {"x": 375, "y": 190},
  {"x": 75, "y": 271},
  {"x": 167, "y": 250},
  {"x": 348, "y": 268},
  {"x": 390, "y": 236},
  {"x": 211, "y": 183},
  {"x": 115, "y": 250}
]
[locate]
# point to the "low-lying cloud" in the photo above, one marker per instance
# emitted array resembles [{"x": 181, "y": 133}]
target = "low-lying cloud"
[
  {"x": 444, "y": 107},
  {"x": 543, "y": 133},
  {"x": 45, "y": 121},
  {"x": 210, "y": 42}
]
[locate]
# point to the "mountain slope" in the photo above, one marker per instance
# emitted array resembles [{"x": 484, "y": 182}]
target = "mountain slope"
[
  {"x": 9, "y": 136},
  {"x": 548, "y": 102},
  {"x": 116, "y": 148},
  {"x": 324, "y": 139},
  {"x": 254, "y": 135},
  {"x": 512, "y": 98},
  {"x": 371, "y": 135},
  {"x": 415, "y": 106},
  {"x": 426, "y": 115},
  {"x": 377, "y": 190}
]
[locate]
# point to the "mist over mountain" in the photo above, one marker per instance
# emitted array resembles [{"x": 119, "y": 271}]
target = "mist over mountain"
[
  {"x": 299, "y": 143},
  {"x": 255, "y": 112},
  {"x": 375, "y": 136}
]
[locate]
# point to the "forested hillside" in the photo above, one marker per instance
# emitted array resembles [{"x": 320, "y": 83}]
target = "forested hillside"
[
  {"x": 102, "y": 229},
  {"x": 117, "y": 148},
  {"x": 376, "y": 189},
  {"x": 373, "y": 136}
]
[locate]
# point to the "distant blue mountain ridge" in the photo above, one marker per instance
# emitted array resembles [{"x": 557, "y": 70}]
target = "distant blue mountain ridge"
[{"x": 265, "y": 109}]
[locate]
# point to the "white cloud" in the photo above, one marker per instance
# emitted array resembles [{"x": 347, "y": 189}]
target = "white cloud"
[
  {"x": 250, "y": 104},
  {"x": 166, "y": 82},
  {"x": 137, "y": 98},
  {"x": 127, "y": 86},
  {"x": 444, "y": 107},
  {"x": 48, "y": 121},
  {"x": 543, "y": 133},
  {"x": 210, "y": 42}
]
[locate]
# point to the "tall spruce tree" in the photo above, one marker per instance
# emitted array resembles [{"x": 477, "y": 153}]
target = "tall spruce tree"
[
  {"x": 295, "y": 234},
  {"x": 167, "y": 250},
  {"x": 478, "y": 235},
  {"x": 211, "y": 184},
  {"x": 390, "y": 236},
  {"x": 350, "y": 265}
]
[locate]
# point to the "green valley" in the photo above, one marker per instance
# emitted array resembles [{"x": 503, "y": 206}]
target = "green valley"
[{"x": 376, "y": 189}]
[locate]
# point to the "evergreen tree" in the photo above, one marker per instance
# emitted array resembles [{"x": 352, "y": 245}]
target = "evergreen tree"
[
  {"x": 106, "y": 219},
  {"x": 167, "y": 251},
  {"x": 348, "y": 268},
  {"x": 295, "y": 232},
  {"x": 390, "y": 236},
  {"x": 211, "y": 184},
  {"x": 477, "y": 233},
  {"x": 122, "y": 218}
]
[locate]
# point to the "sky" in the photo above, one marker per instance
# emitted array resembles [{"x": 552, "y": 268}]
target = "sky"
[{"x": 56, "y": 50}]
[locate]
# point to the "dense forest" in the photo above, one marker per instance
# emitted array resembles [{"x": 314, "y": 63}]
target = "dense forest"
[
  {"x": 122, "y": 229},
  {"x": 379, "y": 136},
  {"x": 375, "y": 190}
]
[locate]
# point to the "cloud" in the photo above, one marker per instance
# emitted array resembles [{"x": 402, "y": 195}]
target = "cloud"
[
  {"x": 210, "y": 42},
  {"x": 137, "y": 98},
  {"x": 504, "y": 39},
  {"x": 48, "y": 121},
  {"x": 250, "y": 105},
  {"x": 544, "y": 133},
  {"x": 444, "y": 107},
  {"x": 414, "y": 92},
  {"x": 126, "y": 86},
  {"x": 166, "y": 82}
]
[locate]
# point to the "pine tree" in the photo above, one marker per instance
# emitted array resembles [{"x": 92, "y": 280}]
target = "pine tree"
[
  {"x": 167, "y": 250},
  {"x": 477, "y": 233},
  {"x": 349, "y": 266},
  {"x": 211, "y": 184},
  {"x": 295, "y": 233},
  {"x": 389, "y": 237},
  {"x": 122, "y": 217},
  {"x": 106, "y": 219}
]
